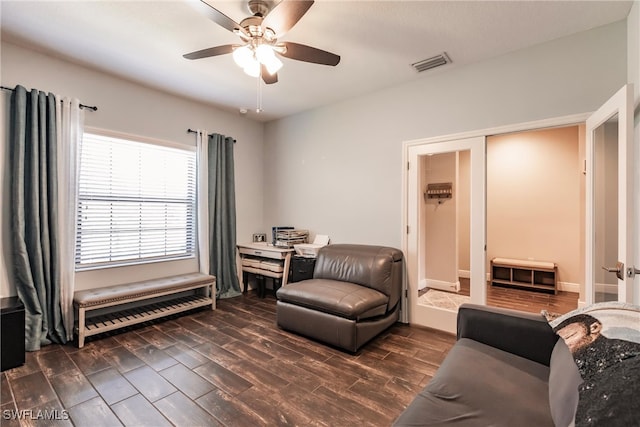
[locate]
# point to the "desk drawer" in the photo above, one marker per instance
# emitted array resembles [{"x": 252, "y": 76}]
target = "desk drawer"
[{"x": 263, "y": 253}]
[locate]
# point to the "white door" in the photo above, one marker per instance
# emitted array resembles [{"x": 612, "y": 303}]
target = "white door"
[
  {"x": 610, "y": 271},
  {"x": 433, "y": 233}
]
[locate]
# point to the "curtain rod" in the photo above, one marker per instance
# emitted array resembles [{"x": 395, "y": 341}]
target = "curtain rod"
[
  {"x": 210, "y": 134},
  {"x": 88, "y": 107}
]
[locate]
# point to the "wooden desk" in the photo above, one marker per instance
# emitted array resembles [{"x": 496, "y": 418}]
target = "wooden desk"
[{"x": 264, "y": 260}]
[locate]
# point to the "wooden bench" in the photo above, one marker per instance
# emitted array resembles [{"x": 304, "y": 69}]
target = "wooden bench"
[
  {"x": 140, "y": 302},
  {"x": 527, "y": 274}
]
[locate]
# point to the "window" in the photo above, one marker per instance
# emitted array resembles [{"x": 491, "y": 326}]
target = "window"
[{"x": 136, "y": 202}]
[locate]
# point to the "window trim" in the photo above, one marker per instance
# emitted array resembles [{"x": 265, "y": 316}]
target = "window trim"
[
  {"x": 138, "y": 138},
  {"x": 151, "y": 141}
]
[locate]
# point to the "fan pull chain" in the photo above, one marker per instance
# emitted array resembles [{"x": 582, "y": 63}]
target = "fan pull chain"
[{"x": 259, "y": 100}]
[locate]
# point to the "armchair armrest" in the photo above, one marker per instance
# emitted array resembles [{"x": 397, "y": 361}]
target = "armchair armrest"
[{"x": 523, "y": 334}]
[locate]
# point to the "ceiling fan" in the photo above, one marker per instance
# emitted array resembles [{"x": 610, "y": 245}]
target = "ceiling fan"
[{"x": 259, "y": 51}]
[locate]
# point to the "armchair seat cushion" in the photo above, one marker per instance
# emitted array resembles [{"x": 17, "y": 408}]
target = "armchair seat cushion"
[{"x": 343, "y": 299}]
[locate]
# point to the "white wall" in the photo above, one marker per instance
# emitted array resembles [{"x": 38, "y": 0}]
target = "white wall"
[
  {"x": 127, "y": 107},
  {"x": 534, "y": 199},
  {"x": 337, "y": 170}
]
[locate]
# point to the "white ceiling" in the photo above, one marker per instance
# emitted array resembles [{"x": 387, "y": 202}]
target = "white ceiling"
[{"x": 144, "y": 41}]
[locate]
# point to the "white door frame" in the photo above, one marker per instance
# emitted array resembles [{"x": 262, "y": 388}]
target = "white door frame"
[
  {"x": 444, "y": 319},
  {"x": 437, "y": 317},
  {"x": 621, "y": 104}
]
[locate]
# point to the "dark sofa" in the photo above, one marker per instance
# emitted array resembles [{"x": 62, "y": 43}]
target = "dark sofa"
[
  {"x": 507, "y": 368},
  {"x": 353, "y": 296}
]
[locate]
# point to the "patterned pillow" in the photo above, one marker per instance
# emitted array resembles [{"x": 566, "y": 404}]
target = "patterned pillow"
[{"x": 604, "y": 339}]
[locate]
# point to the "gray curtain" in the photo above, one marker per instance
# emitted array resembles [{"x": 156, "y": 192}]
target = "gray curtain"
[
  {"x": 34, "y": 215},
  {"x": 222, "y": 216}
]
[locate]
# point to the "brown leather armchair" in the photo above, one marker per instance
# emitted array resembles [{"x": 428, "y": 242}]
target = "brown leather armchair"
[{"x": 353, "y": 296}]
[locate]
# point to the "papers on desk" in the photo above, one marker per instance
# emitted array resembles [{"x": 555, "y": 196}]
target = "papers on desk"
[{"x": 310, "y": 250}]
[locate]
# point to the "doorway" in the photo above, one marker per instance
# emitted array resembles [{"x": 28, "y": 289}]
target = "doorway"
[
  {"x": 443, "y": 179},
  {"x": 611, "y": 229},
  {"x": 535, "y": 193},
  {"x": 535, "y": 215},
  {"x": 445, "y": 229},
  {"x": 473, "y": 288},
  {"x": 619, "y": 111}
]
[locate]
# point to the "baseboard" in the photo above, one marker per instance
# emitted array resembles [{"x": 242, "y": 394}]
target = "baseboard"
[
  {"x": 569, "y": 287},
  {"x": 439, "y": 284},
  {"x": 438, "y": 318},
  {"x": 606, "y": 288},
  {"x": 464, "y": 274}
]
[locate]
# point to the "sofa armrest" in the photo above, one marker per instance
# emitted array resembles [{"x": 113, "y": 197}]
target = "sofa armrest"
[{"x": 523, "y": 334}]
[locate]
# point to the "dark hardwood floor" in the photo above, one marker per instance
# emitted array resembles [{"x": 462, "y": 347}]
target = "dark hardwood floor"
[
  {"x": 526, "y": 300},
  {"x": 230, "y": 367}
]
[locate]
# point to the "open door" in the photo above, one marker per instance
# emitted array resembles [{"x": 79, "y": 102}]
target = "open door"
[
  {"x": 434, "y": 199},
  {"x": 610, "y": 227}
]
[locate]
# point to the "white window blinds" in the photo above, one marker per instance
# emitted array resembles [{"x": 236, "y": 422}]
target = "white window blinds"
[{"x": 136, "y": 203}]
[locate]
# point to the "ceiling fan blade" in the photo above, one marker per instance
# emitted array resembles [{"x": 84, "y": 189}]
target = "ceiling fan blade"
[
  {"x": 212, "y": 51},
  {"x": 266, "y": 77},
  {"x": 216, "y": 16},
  {"x": 285, "y": 15},
  {"x": 305, "y": 53}
]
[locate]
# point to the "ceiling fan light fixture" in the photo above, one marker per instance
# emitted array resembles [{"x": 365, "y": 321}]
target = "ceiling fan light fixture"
[
  {"x": 259, "y": 35},
  {"x": 252, "y": 69},
  {"x": 273, "y": 65},
  {"x": 243, "y": 56},
  {"x": 266, "y": 55}
]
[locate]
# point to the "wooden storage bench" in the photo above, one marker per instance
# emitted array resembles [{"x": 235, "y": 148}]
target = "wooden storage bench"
[
  {"x": 140, "y": 301},
  {"x": 534, "y": 275}
]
